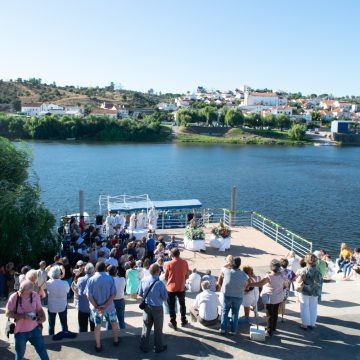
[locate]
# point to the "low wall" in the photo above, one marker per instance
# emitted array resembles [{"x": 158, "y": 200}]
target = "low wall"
[{"x": 347, "y": 139}]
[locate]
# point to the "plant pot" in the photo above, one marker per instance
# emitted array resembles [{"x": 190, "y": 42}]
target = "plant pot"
[
  {"x": 219, "y": 242},
  {"x": 194, "y": 245}
]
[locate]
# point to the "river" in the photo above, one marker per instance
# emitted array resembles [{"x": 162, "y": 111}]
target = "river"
[{"x": 313, "y": 191}]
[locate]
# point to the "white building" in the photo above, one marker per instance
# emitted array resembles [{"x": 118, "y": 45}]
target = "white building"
[
  {"x": 123, "y": 113},
  {"x": 258, "y": 109},
  {"x": 182, "y": 102},
  {"x": 31, "y": 109},
  {"x": 105, "y": 112},
  {"x": 74, "y": 110},
  {"x": 258, "y": 98},
  {"x": 277, "y": 110},
  {"x": 51, "y": 109},
  {"x": 166, "y": 107}
]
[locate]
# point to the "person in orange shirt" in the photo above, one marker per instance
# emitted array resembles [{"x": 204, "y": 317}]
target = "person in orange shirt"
[
  {"x": 344, "y": 257},
  {"x": 176, "y": 273}
]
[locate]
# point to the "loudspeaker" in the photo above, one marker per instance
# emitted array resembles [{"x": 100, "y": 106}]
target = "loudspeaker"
[{"x": 99, "y": 219}]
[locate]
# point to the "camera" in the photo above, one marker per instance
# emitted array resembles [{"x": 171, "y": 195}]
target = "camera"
[{"x": 10, "y": 328}]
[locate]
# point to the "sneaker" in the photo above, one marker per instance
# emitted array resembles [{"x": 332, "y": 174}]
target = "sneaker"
[
  {"x": 231, "y": 333},
  {"x": 222, "y": 332},
  {"x": 163, "y": 348},
  {"x": 172, "y": 326}
]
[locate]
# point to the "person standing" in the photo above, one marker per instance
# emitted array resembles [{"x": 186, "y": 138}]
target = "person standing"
[
  {"x": 57, "y": 299},
  {"x": 155, "y": 294},
  {"x": 101, "y": 292},
  {"x": 119, "y": 219},
  {"x": 42, "y": 278},
  {"x": 25, "y": 307},
  {"x": 109, "y": 224},
  {"x": 312, "y": 281},
  {"x": 119, "y": 300},
  {"x": 273, "y": 284},
  {"x": 176, "y": 273},
  {"x": 83, "y": 302},
  {"x": 233, "y": 283}
]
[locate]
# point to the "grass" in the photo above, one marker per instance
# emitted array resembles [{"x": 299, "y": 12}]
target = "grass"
[{"x": 242, "y": 136}]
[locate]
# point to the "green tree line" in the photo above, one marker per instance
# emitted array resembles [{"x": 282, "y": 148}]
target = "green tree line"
[
  {"x": 26, "y": 226},
  {"x": 89, "y": 128},
  {"x": 231, "y": 117}
]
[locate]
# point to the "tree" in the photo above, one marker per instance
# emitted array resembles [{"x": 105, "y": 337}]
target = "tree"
[
  {"x": 210, "y": 114},
  {"x": 16, "y": 104},
  {"x": 283, "y": 121},
  {"x": 253, "y": 120},
  {"x": 26, "y": 226},
  {"x": 269, "y": 120},
  {"x": 234, "y": 117},
  {"x": 297, "y": 132}
]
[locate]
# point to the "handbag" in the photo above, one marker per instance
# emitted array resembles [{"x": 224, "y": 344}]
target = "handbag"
[
  {"x": 142, "y": 305},
  {"x": 300, "y": 284},
  {"x": 10, "y": 326}
]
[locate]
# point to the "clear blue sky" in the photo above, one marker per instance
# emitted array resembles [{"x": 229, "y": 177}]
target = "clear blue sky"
[{"x": 173, "y": 45}]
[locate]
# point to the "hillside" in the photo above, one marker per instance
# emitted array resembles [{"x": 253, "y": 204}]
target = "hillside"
[{"x": 34, "y": 90}]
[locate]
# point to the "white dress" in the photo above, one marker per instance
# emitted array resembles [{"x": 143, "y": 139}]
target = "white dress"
[
  {"x": 110, "y": 223},
  {"x": 133, "y": 222},
  {"x": 153, "y": 217},
  {"x": 120, "y": 220},
  {"x": 142, "y": 221}
]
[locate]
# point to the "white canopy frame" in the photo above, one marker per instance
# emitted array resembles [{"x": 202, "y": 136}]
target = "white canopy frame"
[{"x": 125, "y": 202}]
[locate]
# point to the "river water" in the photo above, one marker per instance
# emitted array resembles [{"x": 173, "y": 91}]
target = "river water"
[{"x": 313, "y": 191}]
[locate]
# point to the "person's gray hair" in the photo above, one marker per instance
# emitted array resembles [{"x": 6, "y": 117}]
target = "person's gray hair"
[
  {"x": 32, "y": 275},
  {"x": 89, "y": 268},
  {"x": 27, "y": 284},
  {"x": 55, "y": 272},
  {"x": 154, "y": 268},
  {"x": 205, "y": 285}
]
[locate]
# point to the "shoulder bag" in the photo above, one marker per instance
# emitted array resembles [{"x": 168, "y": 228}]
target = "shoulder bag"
[
  {"x": 142, "y": 305},
  {"x": 10, "y": 326}
]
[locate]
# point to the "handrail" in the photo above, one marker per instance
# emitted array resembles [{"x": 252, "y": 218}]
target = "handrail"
[{"x": 207, "y": 216}]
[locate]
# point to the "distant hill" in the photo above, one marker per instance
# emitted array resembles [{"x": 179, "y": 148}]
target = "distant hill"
[{"x": 33, "y": 90}]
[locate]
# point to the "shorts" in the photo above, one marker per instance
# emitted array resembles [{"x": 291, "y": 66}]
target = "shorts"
[{"x": 97, "y": 318}]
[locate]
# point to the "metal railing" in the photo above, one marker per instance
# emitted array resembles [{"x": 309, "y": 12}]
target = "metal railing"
[
  {"x": 280, "y": 234},
  {"x": 204, "y": 217}
]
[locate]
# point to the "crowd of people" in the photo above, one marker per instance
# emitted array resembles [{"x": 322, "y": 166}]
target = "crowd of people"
[{"x": 98, "y": 272}]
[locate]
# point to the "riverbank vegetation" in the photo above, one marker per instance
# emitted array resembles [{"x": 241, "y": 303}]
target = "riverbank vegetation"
[
  {"x": 90, "y": 128},
  {"x": 242, "y": 136},
  {"x": 26, "y": 226}
]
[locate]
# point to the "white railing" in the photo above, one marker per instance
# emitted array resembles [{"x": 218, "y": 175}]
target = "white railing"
[{"x": 283, "y": 236}]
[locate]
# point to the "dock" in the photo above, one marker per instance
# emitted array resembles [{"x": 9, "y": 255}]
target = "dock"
[{"x": 335, "y": 337}]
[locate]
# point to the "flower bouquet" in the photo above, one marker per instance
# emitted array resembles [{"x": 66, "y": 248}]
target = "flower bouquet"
[
  {"x": 221, "y": 230},
  {"x": 194, "y": 233}
]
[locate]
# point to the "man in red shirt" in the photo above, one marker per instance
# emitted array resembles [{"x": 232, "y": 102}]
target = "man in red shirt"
[{"x": 176, "y": 273}]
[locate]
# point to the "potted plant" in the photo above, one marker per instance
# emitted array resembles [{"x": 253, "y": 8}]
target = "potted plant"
[
  {"x": 194, "y": 237},
  {"x": 221, "y": 236}
]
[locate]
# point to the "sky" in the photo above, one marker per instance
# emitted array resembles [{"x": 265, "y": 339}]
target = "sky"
[{"x": 310, "y": 46}]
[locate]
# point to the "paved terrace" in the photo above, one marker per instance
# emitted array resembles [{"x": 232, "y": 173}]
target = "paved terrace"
[{"x": 337, "y": 335}]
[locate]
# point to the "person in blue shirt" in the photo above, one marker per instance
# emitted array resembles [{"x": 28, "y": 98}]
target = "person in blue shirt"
[
  {"x": 172, "y": 244},
  {"x": 150, "y": 247},
  {"x": 101, "y": 291},
  {"x": 83, "y": 302},
  {"x": 153, "y": 312}
]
